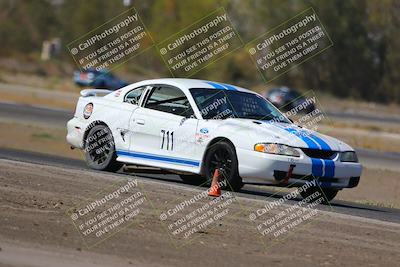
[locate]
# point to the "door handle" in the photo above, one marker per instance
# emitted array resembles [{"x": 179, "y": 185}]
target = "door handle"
[{"x": 140, "y": 122}]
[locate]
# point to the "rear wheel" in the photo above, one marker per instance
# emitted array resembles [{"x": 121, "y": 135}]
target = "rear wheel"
[
  {"x": 100, "y": 150},
  {"x": 327, "y": 194},
  {"x": 222, "y": 156}
]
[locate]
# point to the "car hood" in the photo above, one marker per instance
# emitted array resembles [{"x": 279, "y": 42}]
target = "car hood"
[{"x": 256, "y": 131}]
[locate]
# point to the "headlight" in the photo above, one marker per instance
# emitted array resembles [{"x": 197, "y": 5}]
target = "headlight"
[
  {"x": 348, "y": 156},
  {"x": 277, "y": 149}
]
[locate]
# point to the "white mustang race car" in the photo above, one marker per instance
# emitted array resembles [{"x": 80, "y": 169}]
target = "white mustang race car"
[{"x": 193, "y": 127}]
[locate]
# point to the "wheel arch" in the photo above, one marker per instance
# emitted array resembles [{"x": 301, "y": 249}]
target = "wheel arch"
[{"x": 214, "y": 141}]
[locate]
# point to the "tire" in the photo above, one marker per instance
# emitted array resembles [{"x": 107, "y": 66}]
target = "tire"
[
  {"x": 223, "y": 155},
  {"x": 100, "y": 150},
  {"x": 193, "y": 179},
  {"x": 328, "y": 194}
]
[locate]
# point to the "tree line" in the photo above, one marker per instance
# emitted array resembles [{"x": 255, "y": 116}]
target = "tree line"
[{"x": 363, "y": 62}]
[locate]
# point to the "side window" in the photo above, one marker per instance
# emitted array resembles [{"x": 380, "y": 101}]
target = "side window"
[
  {"x": 170, "y": 100},
  {"x": 133, "y": 96}
]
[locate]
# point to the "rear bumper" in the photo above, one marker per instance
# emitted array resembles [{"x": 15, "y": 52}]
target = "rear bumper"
[
  {"x": 75, "y": 133},
  {"x": 262, "y": 167}
]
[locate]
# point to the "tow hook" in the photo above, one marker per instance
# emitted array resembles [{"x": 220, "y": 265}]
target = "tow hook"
[{"x": 289, "y": 174}]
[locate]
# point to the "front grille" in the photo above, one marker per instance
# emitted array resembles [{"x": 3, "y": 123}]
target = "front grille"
[{"x": 319, "y": 153}]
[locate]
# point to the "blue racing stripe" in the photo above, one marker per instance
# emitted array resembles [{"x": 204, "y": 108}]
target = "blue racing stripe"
[
  {"x": 159, "y": 158},
  {"x": 320, "y": 167},
  {"x": 329, "y": 168},
  {"x": 215, "y": 85},
  {"x": 310, "y": 142},
  {"x": 310, "y": 138},
  {"x": 325, "y": 168},
  {"x": 316, "y": 168},
  {"x": 229, "y": 87},
  {"x": 321, "y": 142}
]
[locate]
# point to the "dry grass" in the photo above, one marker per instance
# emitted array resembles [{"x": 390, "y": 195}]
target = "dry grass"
[
  {"x": 37, "y": 100},
  {"x": 368, "y": 126},
  {"x": 38, "y": 139},
  {"x": 363, "y": 138}
]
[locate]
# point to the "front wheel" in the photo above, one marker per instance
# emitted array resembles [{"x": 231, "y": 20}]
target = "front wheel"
[
  {"x": 222, "y": 156},
  {"x": 327, "y": 194},
  {"x": 100, "y": 150}
]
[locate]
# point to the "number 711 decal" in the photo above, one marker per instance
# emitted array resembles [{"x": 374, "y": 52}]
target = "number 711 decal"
[{"x": 167, "y": 140}]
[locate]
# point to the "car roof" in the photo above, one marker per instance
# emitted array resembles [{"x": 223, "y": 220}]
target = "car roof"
[{"x": 186, "y": 84}]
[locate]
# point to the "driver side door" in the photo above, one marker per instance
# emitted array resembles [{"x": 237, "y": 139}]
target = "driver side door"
[{"x": 163, "y": 130}]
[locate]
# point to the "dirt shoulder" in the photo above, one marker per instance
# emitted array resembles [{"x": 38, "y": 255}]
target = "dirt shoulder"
[{"x": 33, "y": 206}]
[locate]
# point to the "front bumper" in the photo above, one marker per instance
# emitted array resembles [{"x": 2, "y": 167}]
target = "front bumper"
[
  {"x": 330, "y": 182},
  {"x": 269, "y": 168}
]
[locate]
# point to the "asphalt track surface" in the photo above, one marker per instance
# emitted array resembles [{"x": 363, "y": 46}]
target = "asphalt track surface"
[
  {"x": 248, "y": 191},
  {"x": 34, "y": 115},
  {"x": 58, "y": 118}
]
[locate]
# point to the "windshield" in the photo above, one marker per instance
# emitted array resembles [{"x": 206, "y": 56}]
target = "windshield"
[{"x": 222, "y": 104}]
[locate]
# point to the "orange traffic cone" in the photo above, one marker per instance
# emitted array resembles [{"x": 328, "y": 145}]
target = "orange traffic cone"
[{"x": 215, "y": 190}]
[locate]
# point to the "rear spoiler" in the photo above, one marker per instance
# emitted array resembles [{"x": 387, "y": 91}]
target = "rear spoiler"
[{"x": 94, "y": 92}]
